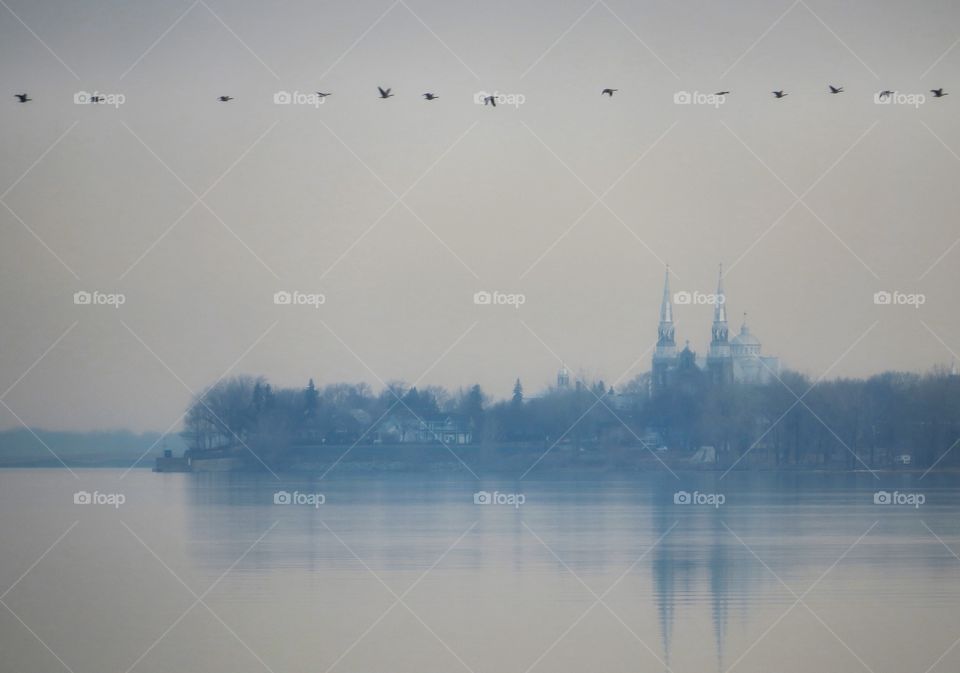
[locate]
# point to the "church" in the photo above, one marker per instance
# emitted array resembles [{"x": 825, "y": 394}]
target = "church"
[{"x": 736, "y": 360}]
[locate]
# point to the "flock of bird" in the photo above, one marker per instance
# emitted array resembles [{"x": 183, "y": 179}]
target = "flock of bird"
[{"x": 492, "y": 100}]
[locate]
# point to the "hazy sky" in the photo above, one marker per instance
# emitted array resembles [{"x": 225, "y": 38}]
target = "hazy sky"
[{"x": 302, "y": 198}]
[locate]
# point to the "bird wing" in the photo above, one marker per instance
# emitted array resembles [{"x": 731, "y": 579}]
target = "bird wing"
[{"x": 382, "y": 92}]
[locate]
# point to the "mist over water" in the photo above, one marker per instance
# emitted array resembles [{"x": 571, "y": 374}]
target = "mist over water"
[{"x": 491, "y": 587}]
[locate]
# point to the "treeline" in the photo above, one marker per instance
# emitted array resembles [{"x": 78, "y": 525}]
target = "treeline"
[{"x": 852, "y": 423}]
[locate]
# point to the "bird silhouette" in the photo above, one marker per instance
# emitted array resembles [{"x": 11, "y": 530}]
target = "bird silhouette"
[
  {"x": 384, "y": 93},
  {"x": 938, "y": 93},
  {"x": 885, "y": 93},
  {"x": 609, "y": 92},
  {"x": 96, "y": 99},
  {"x": 722, "y": 93},
  {"x": 22, "y": 97},
  {"x": 431, "y": 96},
  {"x": 322, "y": 95},
  {"x": 224, "y": 99},
  {"x": 490, "y": 100},
  {"x": 779, "y": 94},
  {"x": 835, "y": 89}
]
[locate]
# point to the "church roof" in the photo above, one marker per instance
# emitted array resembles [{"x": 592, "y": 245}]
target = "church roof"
[{"x": 745, "y": 338}]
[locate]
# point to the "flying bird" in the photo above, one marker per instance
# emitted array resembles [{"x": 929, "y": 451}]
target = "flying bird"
[
  {"x": 609, "y": 92},
  {"x": 22, "y": 97},
  {"x": 384, "y": 93},
  {"x": 938, "y": 93},
  {"x": 431, "y": 96},
  {"x": 779, "y": 94},
  {"x": 835, "y": 89},
  {"x": 885, "y": 93},
  {"x": 322, "y": 95},
  {"x": 722, "y": 93},
  {"x": 96, "y": 99},
  {"x": 490, "y": 100},
  {"x": 224, "y": 99}
]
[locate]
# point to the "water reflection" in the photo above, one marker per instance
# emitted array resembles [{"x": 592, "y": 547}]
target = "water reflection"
[{"x": 401, "y": 525}]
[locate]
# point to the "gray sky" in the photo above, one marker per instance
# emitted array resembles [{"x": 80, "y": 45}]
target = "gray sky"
[{"x": 498, "y": 198}]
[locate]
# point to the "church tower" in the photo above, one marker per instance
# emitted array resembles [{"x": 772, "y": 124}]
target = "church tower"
[
  {"x": 665, "y": 355},
  {"x": 719, "y": 357}
]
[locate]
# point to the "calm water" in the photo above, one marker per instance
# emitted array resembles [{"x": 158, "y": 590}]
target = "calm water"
[{"x": 408, "y": 575}]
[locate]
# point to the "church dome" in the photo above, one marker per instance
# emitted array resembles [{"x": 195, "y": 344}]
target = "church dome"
[{"x": 745, "y": 338}]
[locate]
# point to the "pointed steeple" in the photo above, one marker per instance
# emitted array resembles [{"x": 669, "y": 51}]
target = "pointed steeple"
[
  {"x": 665, "y": 331},
  {"x": 719, "y": 333}
]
